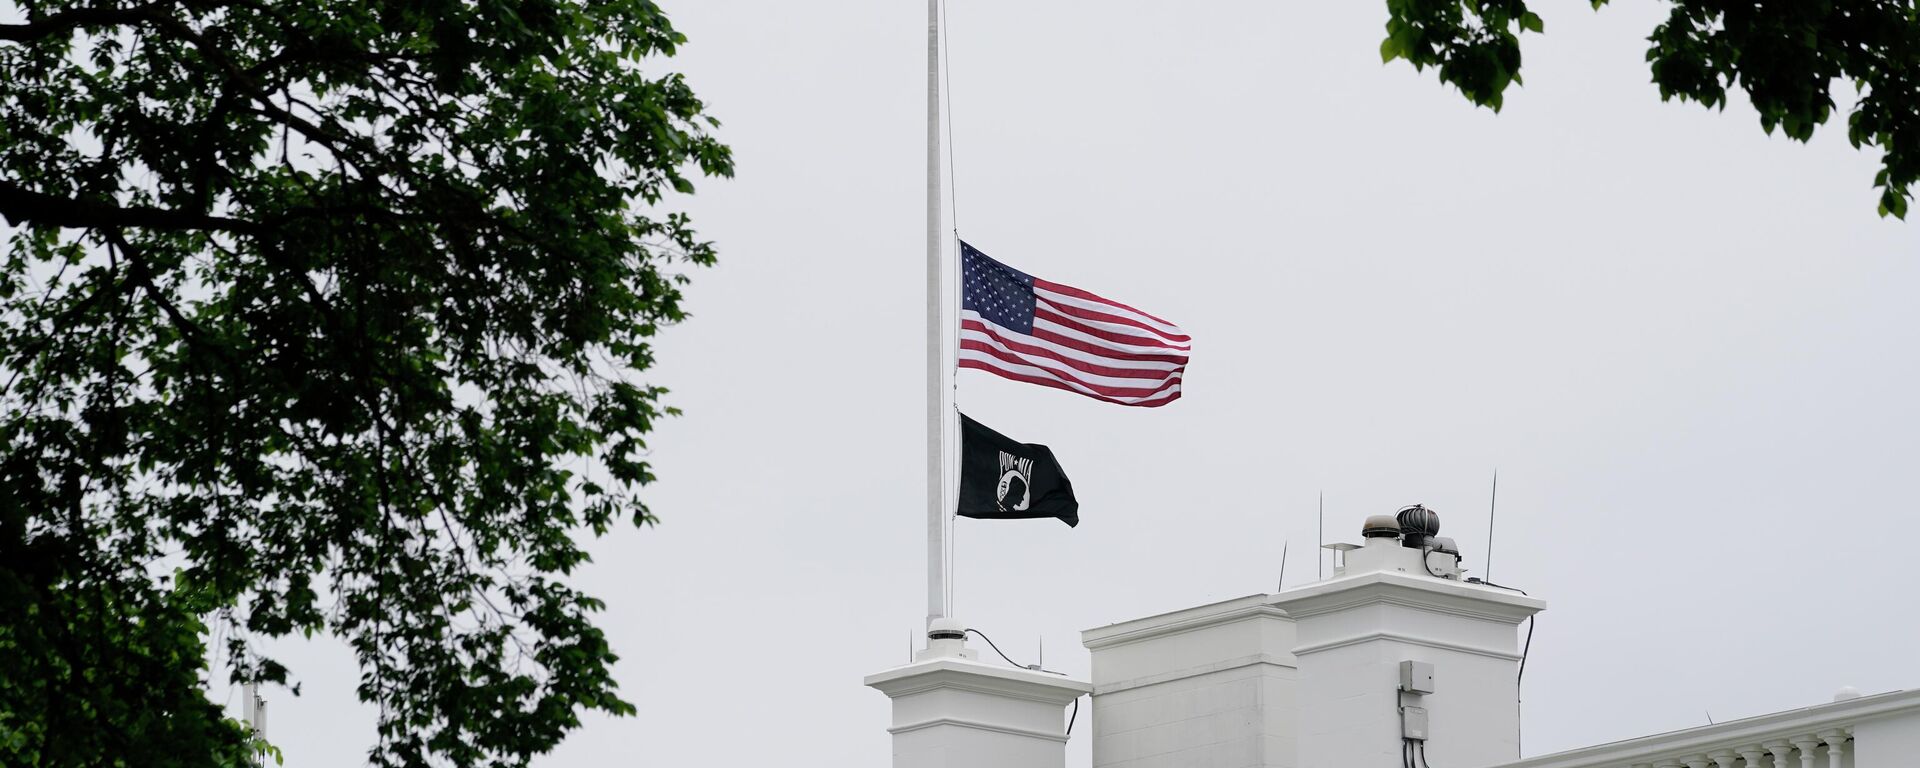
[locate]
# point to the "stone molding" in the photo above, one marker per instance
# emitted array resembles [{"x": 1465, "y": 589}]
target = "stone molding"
[
  {"x": 973, "y": 676},
  {"x": 1203, "y": 669},
  {"x": 1397, "y": 637},
  {"x": 1006, "y": 729}
]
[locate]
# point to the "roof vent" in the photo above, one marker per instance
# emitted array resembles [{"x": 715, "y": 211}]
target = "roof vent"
[
  {"x": 1419, "y": 524},
  {"x": 1380, "y": 527}
]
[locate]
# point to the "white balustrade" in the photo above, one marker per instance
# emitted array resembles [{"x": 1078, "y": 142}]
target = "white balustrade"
[
  {"x": 1836, "y": 740},
  {"x": 1822, "y": 736},
  {"x": 1781, "y": 750},
  {"x": 1806, "y": 744},
  {"x": 1776, "y": 753}
]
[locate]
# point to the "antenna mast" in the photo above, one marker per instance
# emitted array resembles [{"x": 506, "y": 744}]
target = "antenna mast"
[
  {"x": 1320, "y": 551},
  {"x": 1282, "y": 586},
  {"x": 1493, "y": 499}
]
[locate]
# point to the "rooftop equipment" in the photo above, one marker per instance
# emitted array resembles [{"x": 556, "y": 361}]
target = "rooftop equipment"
[{"x": 1380, "y": 527}]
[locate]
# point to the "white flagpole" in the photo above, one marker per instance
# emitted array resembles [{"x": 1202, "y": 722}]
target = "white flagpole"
[
  {"x": 255, "y": 709},
  {"x": 936, "y": 334}
]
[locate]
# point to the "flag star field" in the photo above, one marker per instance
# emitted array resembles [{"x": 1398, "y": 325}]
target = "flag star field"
[{"x": 1001, "y": 294}]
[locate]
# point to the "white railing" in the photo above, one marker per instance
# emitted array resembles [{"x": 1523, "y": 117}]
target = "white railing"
[{"x": 1826, "y": 736}]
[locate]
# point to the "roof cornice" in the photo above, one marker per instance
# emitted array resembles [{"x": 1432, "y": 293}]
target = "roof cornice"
[
  {"x": 1409, "y": 591},
  {"x": 965, "y": 675},
  {"x": 1177, "y": 622}
]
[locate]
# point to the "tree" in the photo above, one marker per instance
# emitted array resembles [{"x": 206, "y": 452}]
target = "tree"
[
  {"x": 1785, "y": 54},
  {"x": 327, "y": 318}
]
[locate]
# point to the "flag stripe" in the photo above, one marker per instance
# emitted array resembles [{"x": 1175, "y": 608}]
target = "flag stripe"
[
  {"x": 1120, "y": 334},
  {"x": 1040, "y": 334},
  {"x": 1064, "y": 368},
  {"x": 1084, "y": 372},
  {"x": 1068, "y": 290},
  {"x": 1071, "y": 351},
  {"x": 1010, "y": 373},
  {"x": 1105, "y": 347},
  {"x": 1100, "y": 384},
  {"x": 1068, "y": 305}
]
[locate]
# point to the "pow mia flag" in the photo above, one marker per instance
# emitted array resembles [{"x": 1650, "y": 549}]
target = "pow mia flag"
[{"x": 1001, "y": 479}]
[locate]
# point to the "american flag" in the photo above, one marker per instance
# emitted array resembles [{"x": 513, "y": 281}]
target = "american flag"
[{"x": 1028, "y": 329}]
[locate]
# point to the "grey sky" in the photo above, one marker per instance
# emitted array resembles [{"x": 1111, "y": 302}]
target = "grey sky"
[{"x": 1688, "y": 347}]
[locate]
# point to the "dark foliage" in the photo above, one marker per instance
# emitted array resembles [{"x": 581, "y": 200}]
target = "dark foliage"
[
  {"x": 1785, "y": 54},
  {"x": 326, "y": 318}
]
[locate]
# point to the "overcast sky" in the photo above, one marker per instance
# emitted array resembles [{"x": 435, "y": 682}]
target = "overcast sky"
[{"x": 1689, "y": 349}]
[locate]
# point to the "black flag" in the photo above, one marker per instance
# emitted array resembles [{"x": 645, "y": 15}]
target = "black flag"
[{"x": 1005, "y": 480}]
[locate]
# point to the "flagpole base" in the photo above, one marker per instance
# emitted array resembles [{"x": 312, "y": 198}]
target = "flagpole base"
[{"x": 946, "y": 639}]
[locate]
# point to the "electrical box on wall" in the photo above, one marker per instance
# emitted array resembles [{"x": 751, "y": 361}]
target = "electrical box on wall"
[
  {"x": 1416, "y": 677},
  {"x": 1413, "y": 723}
]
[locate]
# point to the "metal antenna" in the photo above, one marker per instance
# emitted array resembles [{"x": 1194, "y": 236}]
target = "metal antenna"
[
  {"x": 1283, "y": 566},
  {"x": 1492, "y": 501},
  {"x": 1320, "y": 556}
]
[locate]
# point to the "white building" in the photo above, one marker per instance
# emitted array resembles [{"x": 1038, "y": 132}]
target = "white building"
[{"x": 1396, "y": 661}]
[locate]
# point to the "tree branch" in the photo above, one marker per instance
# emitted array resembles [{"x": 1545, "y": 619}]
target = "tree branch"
[
  {"x": 22, "y": 206},
  {"x": 142, "y": 276},
  {"x": 66, "y": 21}
]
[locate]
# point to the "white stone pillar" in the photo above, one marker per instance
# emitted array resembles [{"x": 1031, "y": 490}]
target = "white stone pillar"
[
  {"x": 1210, "y": 685},
  {"x": 950, "y": 711},
  {"x": 1354, "y": 631}
]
